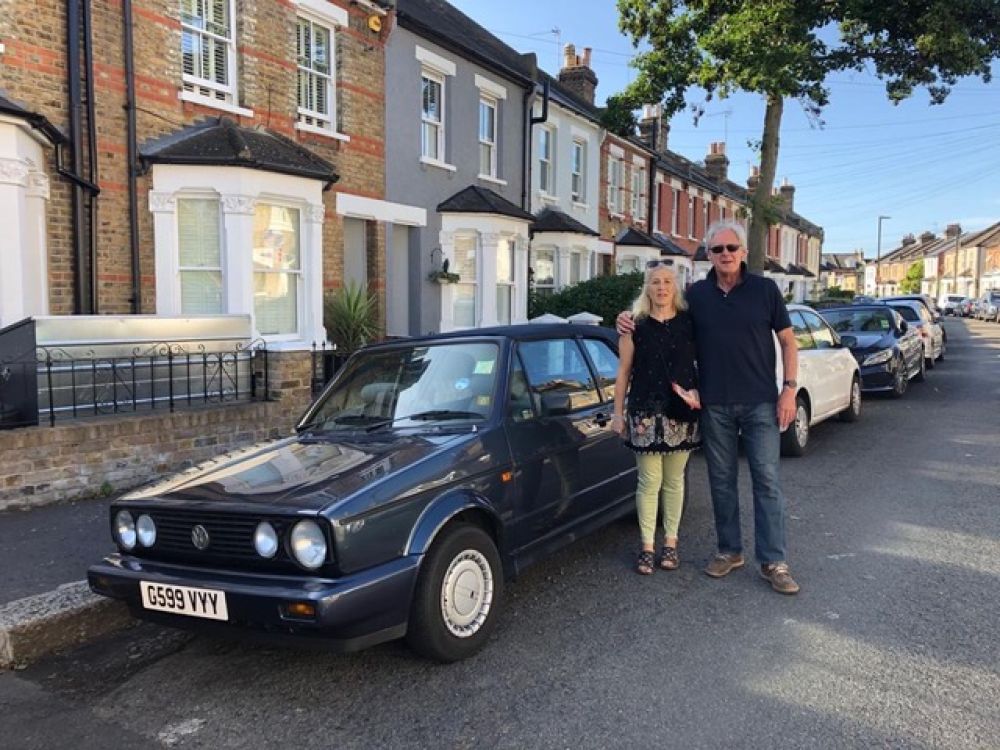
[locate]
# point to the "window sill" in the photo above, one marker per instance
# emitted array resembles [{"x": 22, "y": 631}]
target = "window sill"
[
  {"x": 207, "y": 101},
  {"x": 547, "y": 198},
  {"x": 439, "y": 164},
  {"x": 325, "y": 132},
  {"x": 615, "y": 215},
  {"x": 581, "y": 206},
  {"x": 491, "y": 178}
]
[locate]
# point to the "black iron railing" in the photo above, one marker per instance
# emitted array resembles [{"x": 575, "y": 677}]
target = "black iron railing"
[
  {"x": 77, "y": 383},
  {"x": 326, "y": 361}
]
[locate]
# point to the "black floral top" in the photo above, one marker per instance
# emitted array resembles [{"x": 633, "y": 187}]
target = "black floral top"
[{"x": 657, "y": 419}]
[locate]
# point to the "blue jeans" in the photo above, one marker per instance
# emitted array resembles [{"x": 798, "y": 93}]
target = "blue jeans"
[{"x": 721, "y": 426}]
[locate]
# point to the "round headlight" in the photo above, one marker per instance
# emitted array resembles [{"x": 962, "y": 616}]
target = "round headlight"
[
  {"x": 265, "y": 539},
  {"x": 145, "y": 530},
  {"x": 125, "y": 529},
  {"x": 308, "y": 544}
]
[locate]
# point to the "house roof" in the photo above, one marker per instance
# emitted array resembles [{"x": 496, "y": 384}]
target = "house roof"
[
  {"x": 669, "y": 246},
  {"x": 37, "y": 121},
  {"x": 480, "y": 200},
  {"x": 770, "y": 264},
  {"x": 552, "y": 220},
  {"x": 632, "y": 237},
  {"x": 221, "y": 142},
  {"x": 447, "y": 26}
]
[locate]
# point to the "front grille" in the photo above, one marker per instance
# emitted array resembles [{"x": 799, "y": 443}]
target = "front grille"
[{"x": 230, "y": 539}]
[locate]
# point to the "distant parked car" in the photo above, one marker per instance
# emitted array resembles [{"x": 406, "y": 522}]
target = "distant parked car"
[
  {"x": 931, "y": 333},
  {"x": 888, "y": 351},
  {"x": 988, "y": 306},
  {"x": 951, "y": 304},
  {"x": 428, "y": 472},
  {"x": 927, "y": 302},
  {"x": 828, "y": 379},
  {"x": 966, "y": 307}
]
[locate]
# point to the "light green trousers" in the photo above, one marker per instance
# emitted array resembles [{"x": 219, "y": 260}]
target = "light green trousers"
[{"x": 661, "y": 477}]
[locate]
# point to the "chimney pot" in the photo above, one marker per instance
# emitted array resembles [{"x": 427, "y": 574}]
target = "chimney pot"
[
  {"x": 586, "y": 57},
  {"x": 717, "y": 163},
  {"x": 569, "y": 56},
  {"x": 576, "y": 74}
]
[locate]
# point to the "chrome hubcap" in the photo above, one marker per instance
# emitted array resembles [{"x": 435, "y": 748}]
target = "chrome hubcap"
[
  {"x": 801, "y": 425},
  {"x": 467, "y": 593},
  {"x": 855, "y": 397}
]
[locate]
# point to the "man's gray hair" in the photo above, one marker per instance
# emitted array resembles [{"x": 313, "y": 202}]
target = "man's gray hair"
[{"x": 723, "y": 225}]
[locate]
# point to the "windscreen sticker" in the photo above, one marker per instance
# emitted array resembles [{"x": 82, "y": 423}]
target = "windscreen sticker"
[
  {"x": 482, "y": 400},
  {"x": 461, "y": 384},
  {"x": 484, "y": 367}
]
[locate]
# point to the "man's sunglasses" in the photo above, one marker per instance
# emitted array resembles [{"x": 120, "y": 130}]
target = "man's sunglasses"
[
  {"x": 657, "y": 263},
  {"x": 716, "y": 249}
]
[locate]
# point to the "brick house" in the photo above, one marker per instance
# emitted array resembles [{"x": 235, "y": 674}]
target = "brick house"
[{"x": 255, "y": 178}]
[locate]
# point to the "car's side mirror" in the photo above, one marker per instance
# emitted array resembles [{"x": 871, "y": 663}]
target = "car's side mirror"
[
  {"x": 555, "y": 404},
  {"x": 849, "y": 341}
]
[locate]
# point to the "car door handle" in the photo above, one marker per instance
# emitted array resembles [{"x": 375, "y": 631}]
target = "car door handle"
[{"x": 601, "y": 419}]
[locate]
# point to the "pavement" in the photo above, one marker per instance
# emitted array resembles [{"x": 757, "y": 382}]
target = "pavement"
[{"x": 45, "y": 603}]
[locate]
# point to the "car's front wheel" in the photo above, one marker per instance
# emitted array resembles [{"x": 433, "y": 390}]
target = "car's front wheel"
[
  {"x": 853, "y": 411},
  {"x": 795, "y": 439},
  {"x": 900, "y": 381},
  {"x": 922, "y": 371},
  {"x": 458, "y": 595}
]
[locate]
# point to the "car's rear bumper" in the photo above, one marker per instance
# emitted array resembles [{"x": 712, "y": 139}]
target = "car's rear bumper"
[{"x": 351, "y": 612}]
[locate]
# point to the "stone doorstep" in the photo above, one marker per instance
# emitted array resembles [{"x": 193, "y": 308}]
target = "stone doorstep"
[{"x": 42, "y": 624}]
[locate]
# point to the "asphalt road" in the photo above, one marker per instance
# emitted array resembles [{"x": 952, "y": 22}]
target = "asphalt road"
[{"x": 893, "y": 642}]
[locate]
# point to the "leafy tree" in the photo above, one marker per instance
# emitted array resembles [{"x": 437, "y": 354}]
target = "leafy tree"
[
  {"x": 619, "y": 117},
  {"x": 914, "y": 276},
  {"x": 602, "y": 295},
  {"x": 779, "y": 49}
]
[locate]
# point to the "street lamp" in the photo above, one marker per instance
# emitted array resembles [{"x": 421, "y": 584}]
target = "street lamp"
[{"x": 878, "y": 252}]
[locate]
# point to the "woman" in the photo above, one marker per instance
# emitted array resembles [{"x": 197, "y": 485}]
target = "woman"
[{"x": 657, "y": 367}]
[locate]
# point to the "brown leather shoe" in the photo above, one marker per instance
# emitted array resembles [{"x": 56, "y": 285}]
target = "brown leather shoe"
[
  {"x": 723, "y": 564},
  {"x": 780, "y": 579}
]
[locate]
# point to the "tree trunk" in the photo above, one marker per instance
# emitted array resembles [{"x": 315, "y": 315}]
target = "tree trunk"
[{"x": 760, "y": 212}]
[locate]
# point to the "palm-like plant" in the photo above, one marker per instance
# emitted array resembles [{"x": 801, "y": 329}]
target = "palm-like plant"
[{"x": 350, "y": 317}]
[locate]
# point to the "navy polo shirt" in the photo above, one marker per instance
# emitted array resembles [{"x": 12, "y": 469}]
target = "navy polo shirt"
[{"x": 733, "y": 337}]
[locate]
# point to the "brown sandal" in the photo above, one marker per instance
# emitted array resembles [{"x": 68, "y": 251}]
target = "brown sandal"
[
  {"x": 644, "y": 563},
  {"x": 669, "y": 559}
]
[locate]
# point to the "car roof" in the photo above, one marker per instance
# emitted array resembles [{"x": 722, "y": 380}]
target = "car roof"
[{"x": 520, "y": 332}]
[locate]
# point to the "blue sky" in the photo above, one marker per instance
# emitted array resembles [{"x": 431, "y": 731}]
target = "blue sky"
[{"x": 924, "y": 166}]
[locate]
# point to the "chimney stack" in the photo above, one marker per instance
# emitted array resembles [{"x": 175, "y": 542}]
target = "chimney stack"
[
  {"x": 576, "y": 74},
  {"x": 654, "y": 128},
  {"x": 787, "y": 191},
  {"x": 717, "y": 163},
  {"x": 908, "y": 240},
  {"x": 953, "y": 230},
  {"x": 753, "y": 179},
  {"x": 928, "y": 237}
]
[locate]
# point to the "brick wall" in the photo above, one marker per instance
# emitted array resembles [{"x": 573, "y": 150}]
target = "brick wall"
[
  {"x": 610, "y": 225},
  {"x": 33, "y": 71},
  {"x": 89, "y": 457}
]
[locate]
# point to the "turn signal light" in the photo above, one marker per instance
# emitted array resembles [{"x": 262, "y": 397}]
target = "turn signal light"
[{"x": 301, "y": 610}]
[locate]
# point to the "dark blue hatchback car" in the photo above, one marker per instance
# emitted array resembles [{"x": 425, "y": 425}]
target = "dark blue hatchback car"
[
  {"x": 426, "y": 474},
  {"x": 889, "y": 352}
]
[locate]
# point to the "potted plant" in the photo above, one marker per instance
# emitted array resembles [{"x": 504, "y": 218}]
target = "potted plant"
[
  {"x": 350, "y": 318},
  {"x": 443, "y": 275}
]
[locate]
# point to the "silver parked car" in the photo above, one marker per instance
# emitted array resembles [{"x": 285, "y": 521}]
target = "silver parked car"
[{"x": 931, "y": 333}]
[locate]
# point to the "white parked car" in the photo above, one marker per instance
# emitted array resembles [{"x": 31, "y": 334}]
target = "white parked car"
[
  {"x": 950, "y": 304},
  {"x": 828, "y": 382}
]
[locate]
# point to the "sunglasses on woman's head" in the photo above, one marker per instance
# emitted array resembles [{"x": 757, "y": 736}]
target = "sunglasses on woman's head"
[
  {"x": 657, "y": 263},
  {"x": 716, "y": 249}
]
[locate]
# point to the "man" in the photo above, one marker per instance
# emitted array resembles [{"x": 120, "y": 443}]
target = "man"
[{"x": 734, "y": 314}]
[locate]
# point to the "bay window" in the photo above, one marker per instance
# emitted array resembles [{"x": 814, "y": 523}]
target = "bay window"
[
  {"x": 199, "y": 244},
  {"x": 465, "y": 302},
  {"x": 505, "y": 281},
  {"x": 277, "y": 269}
]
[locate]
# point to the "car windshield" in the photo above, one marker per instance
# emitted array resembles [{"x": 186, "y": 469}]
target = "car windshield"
[
  {"x": 955, "y": 298},
  {"x": 416, "y": 385},
  {"x": 859, "y": 321},
  {"x": 909, "y": 314}
]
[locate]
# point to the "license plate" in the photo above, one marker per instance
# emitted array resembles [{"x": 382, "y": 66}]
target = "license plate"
[{"x": 184, "y": 600}]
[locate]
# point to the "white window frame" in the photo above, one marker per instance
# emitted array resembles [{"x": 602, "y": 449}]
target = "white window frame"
[
  {"x": 314, "y": 121},
  {"x": 205, "y": 90},
  {"x": 675, "y": 212},
  {"x": 554, "y": 285},
  {"x": 439, "y": 79},
  {"x": 633, "y": 191},
  {"x": 546, "y": 136},
  {"x": 691, "y": 213},
  {"x": 643, "y": 194},
  {"x": 508, "y": 285},
  {"x": 578, "y": 165},
  {"x": 490, "y": 103},
  {"x": 616, "y": 188},
  {"x": 221, "y": 268},
  {"x": 297, "y": 274},
  {"x": 477, "y": 259},
  {"x": 706, "y": 208}
]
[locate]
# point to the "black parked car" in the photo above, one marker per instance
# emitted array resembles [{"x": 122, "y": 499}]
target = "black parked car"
[
  {"x": 889, "y": 352},
  {"x": 427, "y": 473}
]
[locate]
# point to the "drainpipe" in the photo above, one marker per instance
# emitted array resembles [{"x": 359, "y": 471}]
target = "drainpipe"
[
  {"x": 88, "y": 57},
  {"x": 133, "y": 201},
  {"x": 532, "y": 121},
  {"x": 82, "y": 292}
]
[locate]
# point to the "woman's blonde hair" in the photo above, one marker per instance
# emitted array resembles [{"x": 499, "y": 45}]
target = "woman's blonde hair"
[{"x": 641, "y": 306}]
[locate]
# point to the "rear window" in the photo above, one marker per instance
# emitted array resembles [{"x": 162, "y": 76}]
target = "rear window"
[{"x": 908, "y": 313}]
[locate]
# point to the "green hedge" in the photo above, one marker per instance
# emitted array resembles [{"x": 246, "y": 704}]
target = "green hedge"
[{"x": 603, "y": 295}]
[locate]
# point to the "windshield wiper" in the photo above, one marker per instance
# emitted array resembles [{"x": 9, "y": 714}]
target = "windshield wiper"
[{"x": 429, "y": 415}]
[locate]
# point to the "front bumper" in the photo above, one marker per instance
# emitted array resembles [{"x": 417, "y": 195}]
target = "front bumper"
[
  {"x": 876, "y": 378},
  {"x": 352, "y": 612}
]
